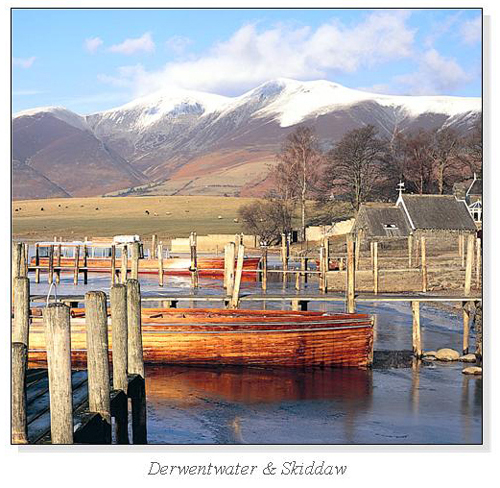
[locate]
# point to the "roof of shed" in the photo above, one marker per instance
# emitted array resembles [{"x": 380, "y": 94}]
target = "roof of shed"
[{"x": 440, "y": 212}]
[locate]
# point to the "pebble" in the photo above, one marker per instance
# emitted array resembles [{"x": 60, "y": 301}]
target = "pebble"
[
  {"x": 468, "y": 358},
  {"x": 446, "y": 354},
  {"x": 475, "y": 370}
]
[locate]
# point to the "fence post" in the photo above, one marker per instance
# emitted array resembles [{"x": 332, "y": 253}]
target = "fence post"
[
  {"x": 237, "y": 278},
  {"x": 20, "y": 332},
  {"x": 134, "y": 273},
  {"x": 154, "y": 238},
  {"x": 58, "y": 264},
  {"x": 416, "y": 332},
  {"x": 468, "y": 266},
  {"x": 113, "y": 265},
  {"x": 350, "y": 274},
  {"x": 77, "y": 260},
  {"x": 97, "y": 357},
  {"x": 264, "y": 268},
  {"x": 375, "y": 267},
  {"x": 19, "y": 418},
  {"x": 37, "y": 263},
  {"x": 50, "y": 277},
  {"x": 466, "y": 317},
  {"x": 478, "y": 263},
  {"x": 124, "y": 265},
  {"x": 160, "y": 263},
  {"x": 424, "y": 264},
  {"x": 358, "y": 248},
  {"x": 85, "y": 265},
  {"x": 57, "y": 333},
  {"x": 194, "y": 260},
  {"x": 229, "y": 257}
]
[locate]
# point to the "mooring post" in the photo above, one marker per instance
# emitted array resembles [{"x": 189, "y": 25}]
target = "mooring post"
[
  {"x": 229, "y": 258},
  {"x": 18, "y": 405},
  {"x": 26, "y": 258},
  {"x": 57, "y": 334},
  {"x": 478, "y": 263},
  {"x": 113, "y": 265},
  {"x": 323, "y": 264},
  {"x": 235, "y": 298},
  {"x": 194, "y": 260},
  {"x": 58, "y": 264},
  {"x": 85, "y": 265},
  {"x": 423, "y": 264},
  {"x": 416, "y": 332},
  {"x": 358, "y": 248},
  {"x": 136, "y": 360},
  {"x": 297, "y": 278},
  {"x": 50, "y": 276},
  {"x": 124, "y": 265},
  {"x": 76, "y": 270},
  {"x": 468, "y": 266},
  {"x": 375, "y": 267},
  {"x": 478, "y": 320},
  {"x": 134, "y": 272},
  {"x": 119, "y": 335},
  {"x": 37, "y": 263},
  {"x": 154, "y": 238},
  {"x": 20, "y": 330},
  {"x": 97, "y": 358},
  {"x": 350, "y": 274},
  {"x": 410, "y": 249},
  {"x": 264, "y": 267},
  {"x": 159, "y": 254},
  {"x": 466, "y": 316}
]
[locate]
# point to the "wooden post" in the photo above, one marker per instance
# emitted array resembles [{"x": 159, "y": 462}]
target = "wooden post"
[
  {"x": 468, "y": 266},
  {"x": 323, "y": 267},
  {"x": 119, "y": 335},
  {"x": 358, "y": 248},
  {"x": 18, "y": 406},
  {"x": 37, "y": 263},
  {"x": 341, "y": 264},
  {"x": 410, "y": 249},
  {"x": 416, "y": 333},
  {"x": 17, "y": 249},
  {"x": 194, "y": 260},
  {"x": 26, "y": 259},
  {"x": 375, "y": 267},
  {"x": 466, "y": 316},
  {"x": 417, "y": 252},
  {"x": 350, "y": 274},
  {"x": 134, "y": 273},
  {"x": 160, "y": 263},
  {"x": 50, "y": 278},
  {"x": 284, "y": 258},
  {"x": 478, "y": 263},
  {"x": 136, "y": 360},
  {"x": 20, "y": 331},
  {"x": 58, "y": 264},
  {"x": 237, "y": 278},
  {"x": 154, "y": 238},
  {"x": 76, "y": 270},
  {"x": 423, "y": 264},
  {"x": 462, "y": 249},
  {"x": 96, "y": 322},
  {"x": 303, "y": 266},
  {"x": 85, "y": 264},
  {"x": 57, "y": 336},
  {"x": 264, "y": 268},
  {"x": 124, "y": 265},
  {"x": 478, "y": 320},
  {"x": 113, "y": 265},
  {"x": 371, "y": 253},
  {"x": 297, "y": 279},
  {"x": 229, "y": 257}
]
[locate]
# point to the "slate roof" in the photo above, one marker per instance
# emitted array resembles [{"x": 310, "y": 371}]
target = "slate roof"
[
  {"x": 438, "y": 212},
  {"x": 382, "y": 221}
]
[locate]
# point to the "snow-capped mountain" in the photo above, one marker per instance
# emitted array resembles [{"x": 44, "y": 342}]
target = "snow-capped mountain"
[{"x": 202, "y": 142}]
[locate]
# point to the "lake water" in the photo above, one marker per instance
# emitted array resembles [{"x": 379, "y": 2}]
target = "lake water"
[{"x": 416, "y": 403}]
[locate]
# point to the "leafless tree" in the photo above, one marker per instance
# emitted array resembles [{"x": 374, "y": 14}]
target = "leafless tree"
[
  {"x": 419, "y": 169},
  {"x": 445, "y": 149}
]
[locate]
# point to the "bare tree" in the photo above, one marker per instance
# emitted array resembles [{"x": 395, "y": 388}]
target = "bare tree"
[
  {"x": 419, "y": 170},
  {"x": 356, "y": 165},
  {"x": 472, "y": 153},
  {"x": 298, "y": 167},
  {"x": 444, "y": 151}
]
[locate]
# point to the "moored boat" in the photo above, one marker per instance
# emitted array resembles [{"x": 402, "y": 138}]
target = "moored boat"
[{"x": 237, "y": 337}]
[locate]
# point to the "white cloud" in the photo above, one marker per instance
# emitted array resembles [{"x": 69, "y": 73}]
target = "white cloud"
[
  {"x": 144, "y": 43},
  {"x": 252, "y": 56},
  {"x": 92, "y": 44},
  {"x": 471, "y": 31},
  {"x": 23, "y": 62},
  {"x": 178, "y": 44},
  {"x": 436, "y": 74},
  {"x": 24, "y": 93}
]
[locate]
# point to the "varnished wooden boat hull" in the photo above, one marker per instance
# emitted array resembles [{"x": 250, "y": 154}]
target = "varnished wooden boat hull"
[{"x": 238, "y": 338}]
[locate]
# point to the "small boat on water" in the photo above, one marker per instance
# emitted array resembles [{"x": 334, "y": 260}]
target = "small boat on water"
[
  {"x": 264, "y": 338},
  {"x": 97, "y": 254}
]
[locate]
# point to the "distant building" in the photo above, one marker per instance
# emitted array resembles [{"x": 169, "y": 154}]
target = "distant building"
[{"x": 474, "y": 199}]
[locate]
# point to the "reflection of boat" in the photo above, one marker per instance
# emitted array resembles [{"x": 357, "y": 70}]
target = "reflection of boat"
[
  {"x": 99, "y": 256},
  {"x": 238, "y": 337}
]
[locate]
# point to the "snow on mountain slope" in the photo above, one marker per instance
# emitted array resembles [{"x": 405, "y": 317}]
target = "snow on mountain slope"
[{"x": 60, "y": 113}]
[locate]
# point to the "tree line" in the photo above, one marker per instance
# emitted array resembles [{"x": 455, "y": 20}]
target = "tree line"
[{"x": 360, "y": 167}]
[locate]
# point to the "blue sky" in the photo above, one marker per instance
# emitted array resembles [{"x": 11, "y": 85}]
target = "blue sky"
[{"x": 91, "y": 60}]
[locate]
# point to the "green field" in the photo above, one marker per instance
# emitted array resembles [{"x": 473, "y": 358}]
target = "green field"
[{"x": 169, "y": 216}]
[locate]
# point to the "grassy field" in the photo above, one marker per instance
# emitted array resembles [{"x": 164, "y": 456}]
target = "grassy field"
[{"x": 169, "y": 216}]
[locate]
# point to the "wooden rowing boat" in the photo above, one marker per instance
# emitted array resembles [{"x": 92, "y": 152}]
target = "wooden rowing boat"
[{"x": 266, "y": 338}]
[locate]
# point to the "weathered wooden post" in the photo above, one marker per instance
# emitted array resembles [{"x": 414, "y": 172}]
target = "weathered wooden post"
[
  {"x": 410, "y": 249},
  {"x": 423, "y": 264},
  {"x": 119, "y": 335},
  {"x": 350, "y": 274},
  {"x": 375, "y": 267},
  {"x": 50, "y": 276},
  {"x": 136, "y": 360},
  {"x": 18, "y": 406},
  {"x": 154, "y": 249},
  {"x": 235, "y": 298},
  {"x": 466, "y": 316},
  {"x": 478, "y": 319},
  {"x": 124, "y": 265},
  {"x": 76, "y": 270},
  {"x": 20, "y": 330},
  {"x": 462, "y": 248},
  {"x": 341, "y": 264},
  {"x": 160, "y": 263},
  {"x": 416, "y": 332},
  {"x": 297, "y": 279},
  {"x": 468, "y": 265},
  {"x": 97, "y": 357},
  {"x": 194, "y": 260},
  {"x": 323, "y": 267},
  {"x": 358, "y": 248},
  {"x": 113, "y": 265},
  {"x": 478, "y": 263},
  {"x": 229, "y": 258},
  {"x": 58, "y": 264},
  {"x": 57, "y": 334},
  {"x": 85, "y": 265},
  {"x": 37, "y": 263},
  {"x": 26, "y": 258},
  {"x": 264, "y": 267},
  {"x": 134, "y": 272}
]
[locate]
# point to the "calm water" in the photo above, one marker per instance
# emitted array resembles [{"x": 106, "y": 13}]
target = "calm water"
[{"x": 420, "y": 403}]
